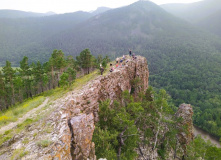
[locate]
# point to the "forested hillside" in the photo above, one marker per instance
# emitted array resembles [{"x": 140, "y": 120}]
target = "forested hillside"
[
  {"x": 183, "y": 59},
  {"x": 193, "y": 12},
  {"x": 205, "y": 14},
  {"x": 25, "y": 36},
  {"x": 212, "y": 23}
]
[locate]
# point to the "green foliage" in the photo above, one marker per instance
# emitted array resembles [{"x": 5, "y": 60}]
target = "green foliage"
[
  {"x": 85, "y": 60},
  {"x": 120, "y": 122},
  {"x": 114, "y": 122},
  {"x": 201, "y": 149},
  {"x": 64, "y": 79}
]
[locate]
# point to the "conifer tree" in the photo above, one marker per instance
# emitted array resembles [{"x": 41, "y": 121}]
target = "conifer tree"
[
  {"x": 85, "y": 60},
  {"x": 38, "y": 73},
  {"x": 3, "y": 99},
  {"x": 25, "y": 73},
  {"x": 9, "y": 74}
]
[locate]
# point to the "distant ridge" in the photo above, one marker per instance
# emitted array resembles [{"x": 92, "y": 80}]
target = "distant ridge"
[
  {"x": 100, "y": 10},
  {"x": 22, "y": 14}
]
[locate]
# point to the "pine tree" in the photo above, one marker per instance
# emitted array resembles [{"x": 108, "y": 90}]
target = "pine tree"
[
  {"x": 3, "y": 99},
  {"x": 9, "y": 75},
  {"x": 38, "y": 73},
  {"x": 26, "y": 74},
  {"x": 85, "y": 60}
]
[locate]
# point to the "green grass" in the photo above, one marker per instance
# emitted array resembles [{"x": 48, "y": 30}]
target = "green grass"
[
  {"x": 43, "y": 143},
  {"x": 77, "y": 84},
  {"x": 13, "y": 113},
  {"x": 17, "y": 111},
  {"x": 19, "y": 153}
]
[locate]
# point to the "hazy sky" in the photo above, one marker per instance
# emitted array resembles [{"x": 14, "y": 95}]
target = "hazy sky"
[{"x": 63, "y": 6}]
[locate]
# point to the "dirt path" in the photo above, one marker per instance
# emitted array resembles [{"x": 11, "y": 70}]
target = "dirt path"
[{"x": 23, "y": 118}]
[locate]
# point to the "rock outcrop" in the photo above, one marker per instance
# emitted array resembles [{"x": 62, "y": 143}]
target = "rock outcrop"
[
  {"x": 69, "y": 128},
  {"x": 80, "y": 113},
  {"x": 185, "y": 126},
  {"x": 66, "y": 133}
]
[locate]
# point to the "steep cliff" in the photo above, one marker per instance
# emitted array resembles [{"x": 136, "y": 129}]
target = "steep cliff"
[
  {"x": 80, "y": 113},
  {"x": 72, "y": 121},
  {"x": 68, "y": 129}
]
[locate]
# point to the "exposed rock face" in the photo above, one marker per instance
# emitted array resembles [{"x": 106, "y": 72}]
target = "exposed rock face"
[
  {"x": 80, "y": 113},
  {"x": 185, "y": 112},
  {"x": 70, "y": 126}
]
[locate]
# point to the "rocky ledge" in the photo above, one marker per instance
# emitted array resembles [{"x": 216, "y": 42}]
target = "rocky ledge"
[{"x": 69, "y": 128}]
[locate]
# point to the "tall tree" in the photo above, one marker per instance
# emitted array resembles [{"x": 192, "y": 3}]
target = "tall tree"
[
  {"x": 25, "y": 73},
  {"x": 57, "y": 64},
  {"x": 9, "y": 74},
  {"x": 38, "y": 73},
  {"x": 3, "y": 99},
  {"x": 85, "y": 60}
]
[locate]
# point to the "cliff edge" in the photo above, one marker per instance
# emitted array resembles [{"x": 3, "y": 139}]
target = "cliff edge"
[{"x": 66, "y": 133}]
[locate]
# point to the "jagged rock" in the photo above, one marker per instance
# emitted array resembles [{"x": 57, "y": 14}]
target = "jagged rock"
[
  {"x": 69, "y": 127},
  {"x": 185, "y": 126}
]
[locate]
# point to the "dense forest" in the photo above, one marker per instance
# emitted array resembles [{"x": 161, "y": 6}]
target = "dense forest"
[
  {"x": 29, "y": 80},
  {"x": 129, "y": 125}
]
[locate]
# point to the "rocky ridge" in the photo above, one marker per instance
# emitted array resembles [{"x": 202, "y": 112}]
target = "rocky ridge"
[
  {"x": 69, "y": 127},
  {"x": 72, "y": 123}
]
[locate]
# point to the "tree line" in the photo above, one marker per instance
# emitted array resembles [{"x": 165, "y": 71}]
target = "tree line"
[{"x": 31, "y": 79}]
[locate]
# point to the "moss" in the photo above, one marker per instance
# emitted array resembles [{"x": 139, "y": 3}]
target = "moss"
[{"x": 43, "y": 143}]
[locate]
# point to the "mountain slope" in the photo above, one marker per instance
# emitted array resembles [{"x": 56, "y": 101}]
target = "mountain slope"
[
  {"x": 100, "y": 10},
  {"x": 18, "y": 34},
  {"x": 5, "y": 13},
  {"x": 212, "y": 23},
  {"x": 193, "y": 12},
  {"x": 182, "y": 59}
]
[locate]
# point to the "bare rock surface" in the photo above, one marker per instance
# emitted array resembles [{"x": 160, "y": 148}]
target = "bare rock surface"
[
  {"x": 185, "y": 136},
  {"x": 69, "y": 128}
]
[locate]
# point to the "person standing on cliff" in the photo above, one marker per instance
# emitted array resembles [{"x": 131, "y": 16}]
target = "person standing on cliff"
[
  {"x": 130, "y": 52},
  {"x": 102, "y": 70}
]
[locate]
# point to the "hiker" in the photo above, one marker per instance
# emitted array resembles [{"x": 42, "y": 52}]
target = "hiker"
[
  {"x": 121, "y": 61},
  {"x": 133, "y": 55},
  {"x": 117, "y": 64},
  {"x": 102, "y": 70},
  {"x": 117, "y": 60},
  {"x": 130, "y": 52},
  {"x": 112, "y": 68},
  {"x": 123, "y": 57}
]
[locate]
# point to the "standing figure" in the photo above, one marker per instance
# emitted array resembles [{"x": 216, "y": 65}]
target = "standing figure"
[
  {"x": 130, "y": 52},
  {"x": 102, "y": 70}
]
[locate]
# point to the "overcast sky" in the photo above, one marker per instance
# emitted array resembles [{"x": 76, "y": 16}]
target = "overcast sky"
[{"x": 64, "y": 6}]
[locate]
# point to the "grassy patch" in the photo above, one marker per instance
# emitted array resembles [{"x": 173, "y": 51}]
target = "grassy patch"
[
  {"x": 19, "y": 153},
  {"x": 13, "y": 113},
  {"x": 53, "y": 95},
  {"x": 25, "y": 141},
  {"x": 59, "y": 92},
  {"x": 43, "y": 143}
]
